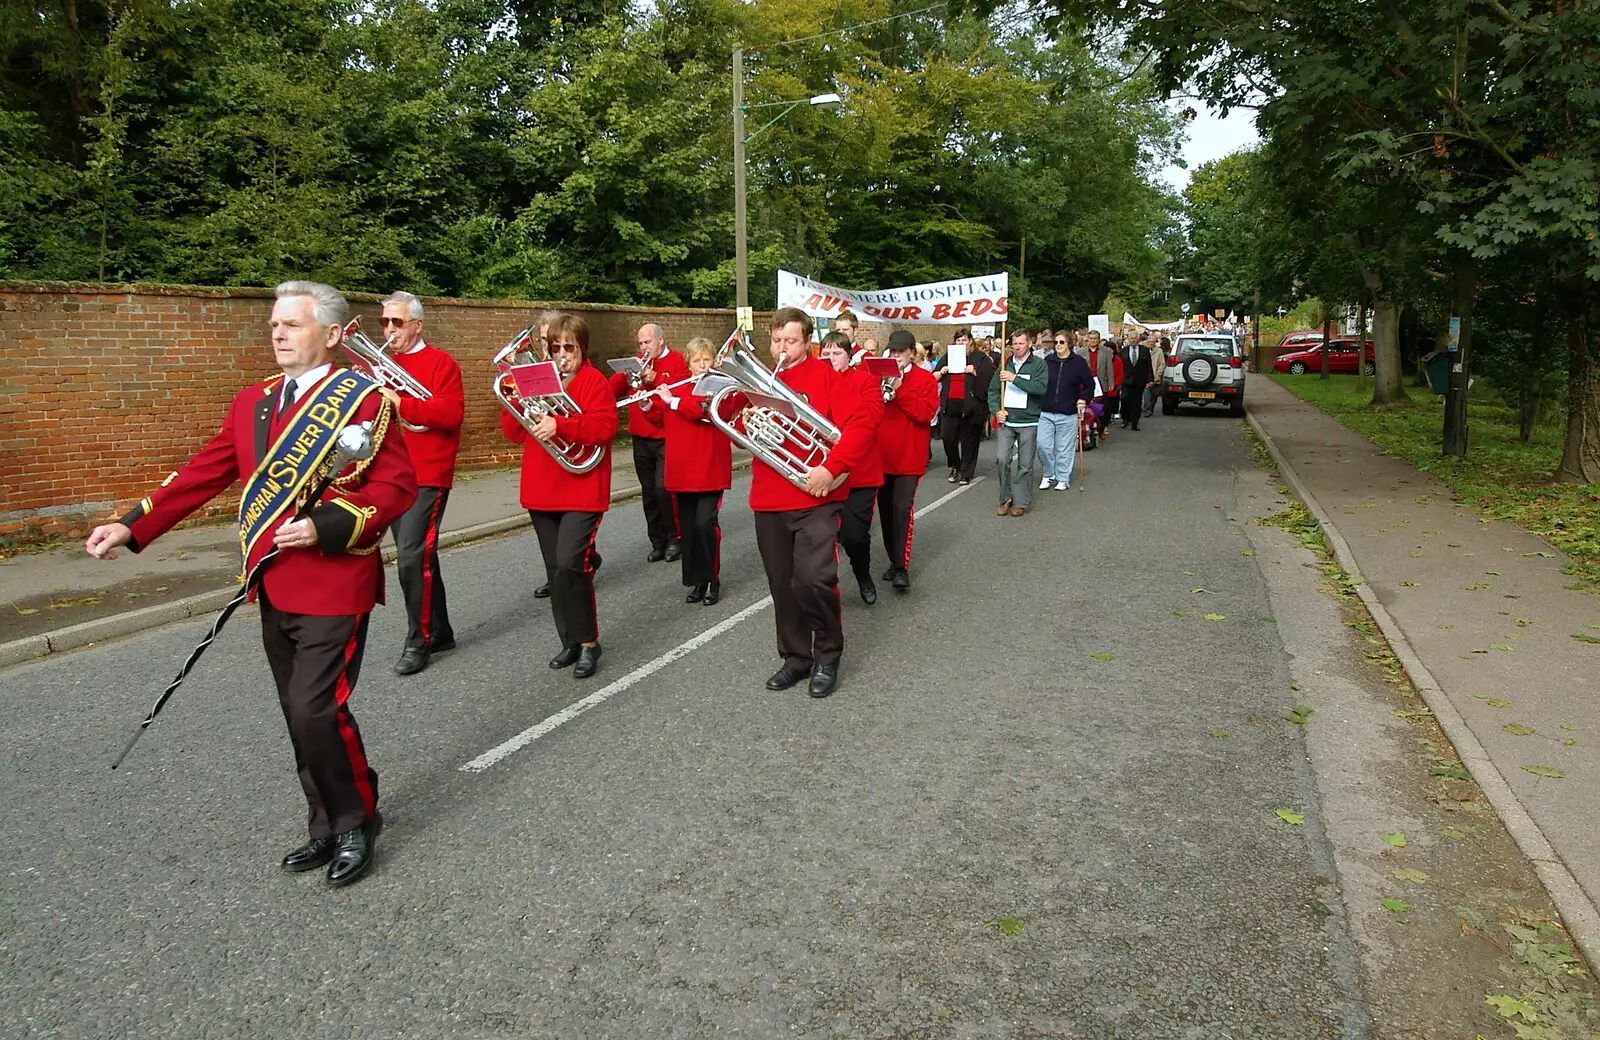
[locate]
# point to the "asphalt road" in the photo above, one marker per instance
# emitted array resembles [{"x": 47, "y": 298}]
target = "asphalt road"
[{"x": 987, "y": 832}]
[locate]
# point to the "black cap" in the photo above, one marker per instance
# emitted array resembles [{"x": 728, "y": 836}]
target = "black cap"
[{"x": 902, "y": 340}]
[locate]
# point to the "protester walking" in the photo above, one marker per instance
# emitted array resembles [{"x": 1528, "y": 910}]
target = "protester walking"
[
  {"x": 1015, "y": 397},
  {"x": 1069, "y": 388}
]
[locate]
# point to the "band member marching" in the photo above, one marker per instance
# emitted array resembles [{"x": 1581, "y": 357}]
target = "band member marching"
[
  {"x": 432, "y": 431},
  {"x": 699, "y": 469},
  {"x": 855, "y": 521},
  {"x": 661, "y": 366},
  {"x": 795, "y": 529},
  {"x": 543, "y": 325},
  {"x": 566, "y": 508},
  {"x": 903, "y": 441},
  {"x": 317, "y": 595}
]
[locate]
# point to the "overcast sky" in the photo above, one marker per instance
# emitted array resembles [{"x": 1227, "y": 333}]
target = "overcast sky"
[{"x": 1211, "y": 138}]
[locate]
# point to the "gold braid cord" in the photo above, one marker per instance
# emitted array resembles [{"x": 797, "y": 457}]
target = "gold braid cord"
[{"x": 386, "y": 410}]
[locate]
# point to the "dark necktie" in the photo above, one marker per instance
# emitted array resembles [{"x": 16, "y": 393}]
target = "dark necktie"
[{"x": 285, "y": 398}]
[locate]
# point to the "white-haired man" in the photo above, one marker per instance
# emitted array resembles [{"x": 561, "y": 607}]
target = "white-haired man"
[
  {"x": 661, "y": 367},
  {"x": 318, "y": 593},
  {"x": 433, "y": 437}
]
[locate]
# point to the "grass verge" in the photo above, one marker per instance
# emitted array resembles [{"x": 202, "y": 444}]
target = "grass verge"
[{"x": 1500, "y": 475}]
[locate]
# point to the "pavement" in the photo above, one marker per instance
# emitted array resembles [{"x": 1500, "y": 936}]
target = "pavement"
[
  {"x": 1046, "y": 801},
  {"x": 1500, "y": 643}
]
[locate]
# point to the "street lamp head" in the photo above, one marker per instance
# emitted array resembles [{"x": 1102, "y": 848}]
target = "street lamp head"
[{"x": 827, "y": 100}]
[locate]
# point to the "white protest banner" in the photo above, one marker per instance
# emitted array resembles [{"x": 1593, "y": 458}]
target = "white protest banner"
[
  {"x": 983, "y": 332},
  {"x": 955, "y": 302},
  {"x": 1166, "y": 326},
  {"x": 1100, "y": 323}
]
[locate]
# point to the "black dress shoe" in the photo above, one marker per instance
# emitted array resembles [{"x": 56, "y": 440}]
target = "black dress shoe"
[
  {"x": 594, "y": 561},
  {"x": 353, "y": 852},
  {"x": 656, "y": 555},
  {"x": 784, "y": 678},
  {"x": 441, "y": 646},
  {"x": 542, "y": 592},
  {"x": 588, "y": 662},
  {"x": 696, "y": 594},
  {"x": 824, "y": 677},
  {"x": 566, "y": 658},
  {"x": 713, "y": 593},
  {"x": 412, "y": 660},
  {"x": 674, "y": 552},
  {"x": 309, "y": 856},
  {"x": 888, "y": 573},
  {"x": 902, "y": 580},
  {"x": 869, "y": 592}
]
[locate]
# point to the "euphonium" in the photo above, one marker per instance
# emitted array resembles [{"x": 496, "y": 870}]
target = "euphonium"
[
  {"x": 385, "y": 370},
  {"x": 569, "y": 455},
  {"x": 792, "y": 445}
]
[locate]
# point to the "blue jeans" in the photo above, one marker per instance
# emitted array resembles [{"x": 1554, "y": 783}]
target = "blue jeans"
[{"x": 1058, "y": 444}]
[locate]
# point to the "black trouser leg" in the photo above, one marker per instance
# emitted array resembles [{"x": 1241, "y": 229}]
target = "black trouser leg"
[
  {"x": 1132, "y": 404},
  {"x": 801, "y": 559},
  {"x": 950, "y": 434},
  {"x": 971, "y": 434},
  {"x": 316, "y": 661},
  {"x": 566, "y": 539},
  {"x": 650, "y": 466},
  {"x": 701, "y": 535},
  {"x": 416, "y": 540},
  {"x": 896, "y": 501},
  {"x": 855, "y": 530}
]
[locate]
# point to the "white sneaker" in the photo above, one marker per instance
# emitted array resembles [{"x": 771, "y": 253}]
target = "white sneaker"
[
  {"x": 1062, "y": 485},
  {"x": 1045, "y": 483}
]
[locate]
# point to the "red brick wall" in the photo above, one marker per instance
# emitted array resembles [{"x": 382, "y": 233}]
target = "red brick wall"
[{"x": 105, "y": 389}]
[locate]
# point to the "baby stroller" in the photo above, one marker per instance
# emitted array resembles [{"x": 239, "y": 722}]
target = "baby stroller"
[{"x": 1089, "y": 426}]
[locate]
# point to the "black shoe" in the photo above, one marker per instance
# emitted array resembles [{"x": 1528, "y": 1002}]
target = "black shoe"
[
  {"x": 412, "y": 660},
  {"x": 309, "y": 856},
  {"x": 952, "y": 478},
  {"x": 869, "y": 591},
  {"x": 588, "y": 662},
  {"x": 902, "y": 580},
  {"x": 713, "y": 593},
  {"x": 888, "y": 573},
  {"x": 674, "y": 552},
  {"x": 656, "y": 555},
  {"x": 594, "y": 562},
  {"x": 565, "y": 659},
  {"x": 542, "y": 592},
  {"x": 353, "y": 852},
  {"x": 442, "y": 646},
  {"x": 784, "y": 678},
  {"x": 824, "y": 677},
  {"x": 696, "y": 594}
]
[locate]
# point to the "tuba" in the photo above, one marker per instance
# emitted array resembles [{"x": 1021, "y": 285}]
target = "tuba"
[
  {"x": 781, "y": 429},
  {"x": 569, "y": 455},
  {"x": 385, "y": 370}
]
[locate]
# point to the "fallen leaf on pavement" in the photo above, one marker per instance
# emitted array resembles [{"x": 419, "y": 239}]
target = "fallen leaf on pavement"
[
  {"x": 1416, "y": 877},
  {"x": 1103, "y": 657},
  {"x": 1516, "y": 729},
  {"x": 1550, "y": 771},
  {"x": 1396, "y": 839},
  {"x": 1291, "y": 817},
  {"x": 1398, "y": 906},
  {"x": 1223, "y": 617}
]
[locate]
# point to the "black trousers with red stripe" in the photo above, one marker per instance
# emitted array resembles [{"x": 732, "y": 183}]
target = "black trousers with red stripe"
[
  {"x": 566, "y": 539},
  {"x": 897, "y": 501},
  {"x": 316, "y": 661},
  {"x": 416, "y": 542},
  {"x": 855, "y": 530},
  {"x": 701, "y": 535},
  {"x": 799, "y": 554}
]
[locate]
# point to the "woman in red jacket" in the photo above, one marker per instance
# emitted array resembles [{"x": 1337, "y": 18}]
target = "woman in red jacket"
[
  {"x": 566, "y": 508},
  {"x": 855, "y": 522},
  {"x": 699, "y": 470}
]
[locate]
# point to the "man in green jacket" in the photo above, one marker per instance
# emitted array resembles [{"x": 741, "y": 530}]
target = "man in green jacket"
[{"x": 1014, "y": 398}]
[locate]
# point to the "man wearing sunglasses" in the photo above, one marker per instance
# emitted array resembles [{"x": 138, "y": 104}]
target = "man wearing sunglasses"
[{"x": 433, "y": 437}]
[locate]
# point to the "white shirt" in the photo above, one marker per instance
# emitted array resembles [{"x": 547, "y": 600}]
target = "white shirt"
[
  {"x": 305, "y": 381},
  {"x": 420, "y": 344}
]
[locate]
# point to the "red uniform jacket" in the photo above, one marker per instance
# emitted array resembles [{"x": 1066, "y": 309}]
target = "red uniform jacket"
[
  {"x": 869, "y": 471},
  {"x": 344, "y": 573},
  {"x": 699, "y": 457},
  {"x": 903, "y": 437},
  {"x": 828, "y": 393},
  {"x": 433, "y": 450},
  {"x": 644, "y": 417},
  {"x": 545, "y": 485}
]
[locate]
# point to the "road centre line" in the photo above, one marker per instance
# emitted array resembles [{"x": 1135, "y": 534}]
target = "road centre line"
[{"x": 499, "y": 752}]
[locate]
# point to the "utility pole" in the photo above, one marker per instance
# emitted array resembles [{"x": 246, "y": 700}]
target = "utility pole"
[
  {"x": 741, "y": 257},
  {"x": 1464, "y": 287}
]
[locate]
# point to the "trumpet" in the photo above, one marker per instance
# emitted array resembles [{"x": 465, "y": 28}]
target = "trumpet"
[
  {"x": 385, "y": 370},
  {"x": 569, "y": 455},
  {"x": 644, "y": 394},
  {"x": 888, "y": 385},
  {"x": 787, "y": 434}
]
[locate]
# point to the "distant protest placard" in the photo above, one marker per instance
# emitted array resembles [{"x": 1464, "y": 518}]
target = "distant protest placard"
[{"x": 956, "y": 302}]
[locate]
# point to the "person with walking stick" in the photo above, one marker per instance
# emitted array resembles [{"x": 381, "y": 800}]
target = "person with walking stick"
[{"x": 315, "y": 571}]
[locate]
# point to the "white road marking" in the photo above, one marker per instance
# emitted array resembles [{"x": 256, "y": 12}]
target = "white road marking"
[{"x": 684, "y": 649}]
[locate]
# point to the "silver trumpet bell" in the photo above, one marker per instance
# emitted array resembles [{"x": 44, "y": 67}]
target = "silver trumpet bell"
[
  {"x": 569, "y": 455},
  {"x": 385, "y": 370},
  {"x": 787, "y": 434}
]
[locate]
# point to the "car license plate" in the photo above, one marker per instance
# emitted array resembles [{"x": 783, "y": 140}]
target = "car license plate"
[{"x": 1197, "y": 396}]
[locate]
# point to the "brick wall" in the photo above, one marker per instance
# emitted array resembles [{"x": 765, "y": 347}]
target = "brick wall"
[{"x": 105, "y": 389}]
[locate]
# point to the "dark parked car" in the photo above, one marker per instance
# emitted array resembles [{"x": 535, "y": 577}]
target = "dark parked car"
[{"x": 1342, "y": 355}]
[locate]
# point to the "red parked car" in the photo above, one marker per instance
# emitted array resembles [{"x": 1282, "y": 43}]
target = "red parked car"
[{"x": 1342, "y": 355}]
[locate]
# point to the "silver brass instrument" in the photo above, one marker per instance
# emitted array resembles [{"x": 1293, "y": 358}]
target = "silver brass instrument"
[
  {"x": 385, "y": 370},
  {"x": 569, "y": 455},
  {"x": 785, "y": 432},
  {"x": 888, "y": 387}
]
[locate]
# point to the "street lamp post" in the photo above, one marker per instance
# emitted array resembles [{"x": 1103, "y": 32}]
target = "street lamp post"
[{"x": 741, "y": 252}]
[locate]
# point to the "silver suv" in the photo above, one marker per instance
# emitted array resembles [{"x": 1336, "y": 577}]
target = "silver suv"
[{"x": 1204, "y": 368}]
